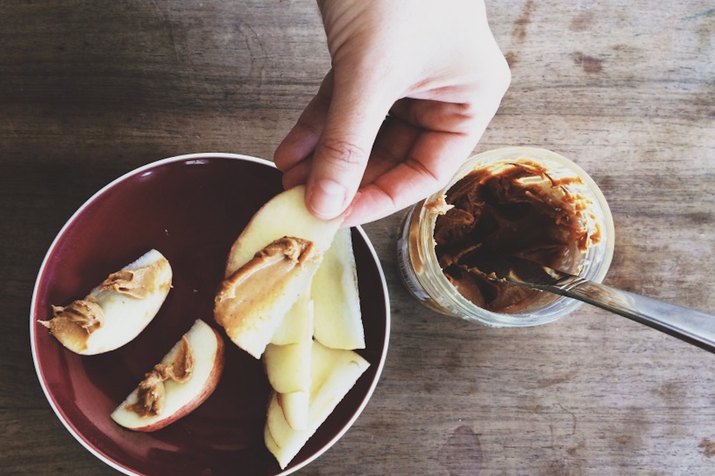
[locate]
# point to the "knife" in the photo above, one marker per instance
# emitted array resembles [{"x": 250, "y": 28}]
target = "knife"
[{"x": 689, "y": 325}]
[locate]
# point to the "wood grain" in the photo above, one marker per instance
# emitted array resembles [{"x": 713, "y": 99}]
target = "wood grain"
[{"x": 90, "y": 90}]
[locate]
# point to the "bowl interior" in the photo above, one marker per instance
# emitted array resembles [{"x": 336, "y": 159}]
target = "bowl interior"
[{"x": 191, "y": 209}]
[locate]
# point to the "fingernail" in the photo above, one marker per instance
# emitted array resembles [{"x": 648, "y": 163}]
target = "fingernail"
[{"x": 328, "y": 199}]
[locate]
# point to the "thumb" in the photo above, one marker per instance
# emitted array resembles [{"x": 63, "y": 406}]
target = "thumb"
[{"x": 354, "y": 117}]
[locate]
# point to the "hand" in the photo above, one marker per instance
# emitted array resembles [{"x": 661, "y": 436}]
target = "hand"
[{"x": 433, "y": 66}]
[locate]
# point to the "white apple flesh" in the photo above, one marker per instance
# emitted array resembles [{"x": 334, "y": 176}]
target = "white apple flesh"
[
  {"x": 297, "y": 325},
  {"x": 180, "y": 398},
  {"x": 334, "y": 372},
  {"x": 295, "y": 408},
  {"x": 338, "y": 320},
  {"x": 288, "y": 366}
]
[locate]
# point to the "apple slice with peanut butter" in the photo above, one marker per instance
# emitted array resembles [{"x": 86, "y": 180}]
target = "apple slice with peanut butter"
[
  {"x": 284, "y": 273},
  {"x": 117, "y": 310},
  {"x": 253, "y": 301},
  {"x": 186, "y": 376},
  {"x": 270, "y": 265}
]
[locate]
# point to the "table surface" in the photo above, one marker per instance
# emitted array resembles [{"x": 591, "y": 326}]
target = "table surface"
[{"x": 90, "y": 90}]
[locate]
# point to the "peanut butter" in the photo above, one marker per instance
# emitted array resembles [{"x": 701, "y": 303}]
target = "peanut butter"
[
  {"x": 151, "y": 395},
  {"x": 514, "y": 209},
  {"x": 137, "y": 283},
  {"x": 263, "y": 280},
  {"x": 72, "y": 324}
]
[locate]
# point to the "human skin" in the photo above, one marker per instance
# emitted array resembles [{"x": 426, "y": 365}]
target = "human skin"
[{"x": 412, "y": 87}]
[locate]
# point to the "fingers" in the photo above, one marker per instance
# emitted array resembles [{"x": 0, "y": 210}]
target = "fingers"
[
  {"x": 298, "y": 174},
  {"x": 435, "y": 115},
  {"x": 329, "y": 147},
  {"x": 393, "y": 142},
  {"x": 432, "y": 161},
  {"x": 357, "y": 109},
  {"x": 302, "y": 139}
]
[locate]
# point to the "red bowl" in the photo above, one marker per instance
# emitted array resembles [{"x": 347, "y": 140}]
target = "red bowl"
[{"x": 191, "y": 208}]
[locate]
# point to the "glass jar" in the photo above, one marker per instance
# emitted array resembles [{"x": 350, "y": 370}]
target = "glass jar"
[{"x": 423, "y": 276}]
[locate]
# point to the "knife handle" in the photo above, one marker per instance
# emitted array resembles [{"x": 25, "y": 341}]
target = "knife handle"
[{"x": 694, "y": 327}]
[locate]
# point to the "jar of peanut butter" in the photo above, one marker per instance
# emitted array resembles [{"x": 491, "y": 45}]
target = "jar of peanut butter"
[{"x": 520, "y": 201}]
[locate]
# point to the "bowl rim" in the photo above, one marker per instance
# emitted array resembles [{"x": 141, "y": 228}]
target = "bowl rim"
[{"x": 192, "y": 158}]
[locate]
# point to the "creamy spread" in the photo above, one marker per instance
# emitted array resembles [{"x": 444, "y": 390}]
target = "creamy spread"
[
  {"x": 137, "y": 283},
  {"x": 72, "y": 324},
  {"x": 151, "y": 393},
  {"x": 260, "y": 281},
  {"x": 517, "y": 209}
]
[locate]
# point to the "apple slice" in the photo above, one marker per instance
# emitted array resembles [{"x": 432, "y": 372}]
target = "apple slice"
[
  {"x": 338, "y": 321},
  {"x": 182, "y": 381},
  {"x": 117, "y": 310},
  {"x": 295, "y": 408},
  {"x": 284, "y": 215},
  {"x": 288, "y": 366},
  {"x": 297, "y": 326},
  {"x": 253, "y": 301},
  {"x": 269, "y": 441},
  {"x": 334, "y": 372},
  {"x": 252, "y": 315}
]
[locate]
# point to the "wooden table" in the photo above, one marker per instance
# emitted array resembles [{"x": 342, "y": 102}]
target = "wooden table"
[{"x": 90, "y": 90}]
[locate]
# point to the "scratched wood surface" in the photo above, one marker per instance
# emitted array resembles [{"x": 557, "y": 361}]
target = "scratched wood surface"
[{"x": 90, "y": 90}]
